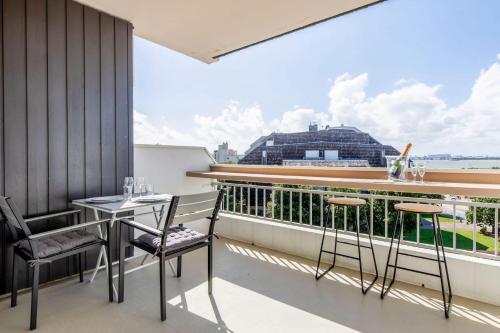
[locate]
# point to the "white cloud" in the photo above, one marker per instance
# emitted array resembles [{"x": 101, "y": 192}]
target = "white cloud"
[
  {"x": 415, "y": 113},
  {"x": 411, "y": 112}
]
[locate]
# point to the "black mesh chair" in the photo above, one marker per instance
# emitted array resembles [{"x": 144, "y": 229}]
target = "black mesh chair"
[
  {"x": 46, "y": 247},
  {"x": 174, "y": 241}
]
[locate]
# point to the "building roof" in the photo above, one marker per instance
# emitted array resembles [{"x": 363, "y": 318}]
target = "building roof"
[{"x": 207, "y": 30}]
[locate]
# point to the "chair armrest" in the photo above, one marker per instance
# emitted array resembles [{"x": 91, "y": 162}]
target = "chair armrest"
[
  {"x": 66, "y": 229},
  {"x": 50, "y": 216},
  {"x": 142, "y": 227}
]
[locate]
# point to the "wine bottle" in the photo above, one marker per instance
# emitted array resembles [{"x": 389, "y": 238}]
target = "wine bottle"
[{"x": 398, "y": 165}]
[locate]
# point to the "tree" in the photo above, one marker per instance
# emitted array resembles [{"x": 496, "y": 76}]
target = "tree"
[{"x": 483, "y": 215}]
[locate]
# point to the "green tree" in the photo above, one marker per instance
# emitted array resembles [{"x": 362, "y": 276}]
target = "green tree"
[{"x": 483, "y": 215}]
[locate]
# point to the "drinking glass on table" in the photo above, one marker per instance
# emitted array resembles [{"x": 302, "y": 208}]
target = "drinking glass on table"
[
  {"x": 128, "y": 185},
  {"x": 149, "y": 189},
  {"x": 139, "y": 185},
  {"x": 421, "y": 171},
  {"x": 414, "y": 170}
]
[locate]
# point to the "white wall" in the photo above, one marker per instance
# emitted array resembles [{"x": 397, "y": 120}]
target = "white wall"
[
  {"x": 165, "y": 167},
  {"x": 470, "y": 277}
]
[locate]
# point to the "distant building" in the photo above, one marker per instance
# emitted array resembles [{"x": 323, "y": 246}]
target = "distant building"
[
  {"x": 226, "y": 155},
  {"x": 332, "y": 146}
]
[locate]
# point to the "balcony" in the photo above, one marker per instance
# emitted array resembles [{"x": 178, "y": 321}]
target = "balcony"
[{"x": 255, "y": 290}]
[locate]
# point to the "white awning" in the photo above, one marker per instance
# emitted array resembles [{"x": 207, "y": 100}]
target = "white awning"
[{"x": 208, "y": 29}]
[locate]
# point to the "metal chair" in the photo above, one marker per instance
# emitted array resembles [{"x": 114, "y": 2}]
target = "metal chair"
[
  {"x": 438, "y": 241},
  {"x": 347, "y": 202},
  {"x": 46, "y": 247},
  {"x": 174, "y": 241}
]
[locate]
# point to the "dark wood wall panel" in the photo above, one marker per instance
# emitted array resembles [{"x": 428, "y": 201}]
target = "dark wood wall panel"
[{"x": 66, "y": 119}]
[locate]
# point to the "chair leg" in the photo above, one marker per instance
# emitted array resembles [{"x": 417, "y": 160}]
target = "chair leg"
[
  {"x": 320, "y": 252},
  {"x": 13, "y": 300},
  {"x": 80, "y": 266},
  {"x": 383, "y": 293},
  {"x": 443, "y": 293},
  {"x": 179, "y": 266},
  {"x": 163, "y": 309},
  {"x": 373, "y": 255},
  {"x": 110, "y": 268},
  {"x": 34, "y": 296},
  {"x": 210, "y": 268},
  {"x": 359, "y": 252},
  {"x": 121, "y": 266}
]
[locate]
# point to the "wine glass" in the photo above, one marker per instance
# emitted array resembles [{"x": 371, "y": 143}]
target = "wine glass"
[
  {"x": 414, "y": 170},
  {"x": 421, "y": 171},
  {"x": 128, "y": 185}
]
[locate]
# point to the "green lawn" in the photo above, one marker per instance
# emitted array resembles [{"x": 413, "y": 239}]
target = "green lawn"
[
  {"x": 441, "y": 218},
  {"x": 464, "y": 239}
]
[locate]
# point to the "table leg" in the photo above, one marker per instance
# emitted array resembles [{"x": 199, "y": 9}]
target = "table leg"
[{"x": 102, "y": 252}]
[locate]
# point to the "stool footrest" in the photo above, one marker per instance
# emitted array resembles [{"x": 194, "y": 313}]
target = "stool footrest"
[
  {"x": 360, "y": 245},
  {"x": 415, "y": 271},
  {"x": 421, "y": 257},
  {"x": 347, "y": 256}
]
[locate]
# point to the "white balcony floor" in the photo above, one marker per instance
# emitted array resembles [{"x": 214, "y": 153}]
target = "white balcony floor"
[{"x": 255, "y": 290}]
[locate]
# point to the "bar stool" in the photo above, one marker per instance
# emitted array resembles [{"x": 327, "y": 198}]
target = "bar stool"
[
  {"x": 347, "y": 202},
  {"x": 415, "y": 208}
]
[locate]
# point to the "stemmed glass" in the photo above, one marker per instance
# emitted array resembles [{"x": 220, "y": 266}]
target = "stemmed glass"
[
  {"x": 128, "y": 185},
  {"x": 421, "y": 171},
  {"x": 414, "y": 170}
]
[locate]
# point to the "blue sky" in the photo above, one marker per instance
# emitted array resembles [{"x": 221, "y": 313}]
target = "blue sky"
[{"x": 397, "y": 44}]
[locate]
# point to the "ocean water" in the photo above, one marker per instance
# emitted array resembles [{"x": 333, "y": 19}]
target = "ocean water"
[{"x": 462, "y": 164}]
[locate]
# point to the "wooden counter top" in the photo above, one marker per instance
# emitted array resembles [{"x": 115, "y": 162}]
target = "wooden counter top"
[{"x": 467, "y": 188}]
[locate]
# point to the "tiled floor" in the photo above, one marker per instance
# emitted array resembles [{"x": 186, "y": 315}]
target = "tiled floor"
[{"x": 255, "y": 290}]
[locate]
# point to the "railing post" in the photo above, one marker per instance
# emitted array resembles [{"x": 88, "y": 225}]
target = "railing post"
[
  {"x": 281, "y": 205},
  {"x": 273, "y": 192},
  {"x": 310, "y": 208},
  {"x": 234, "y": 199},
  {"x": 264, "y": 201},
  {"x": 321, "y": 209},
  {"x": 474, "y": 220},
  {"x": 496, "y": 231},
  {"x": 300, "y": 207},
  {"x": 248, "y": 200},
  {"x": 454, "y": 227},
  {"x": 371, "y": 216},
  {"x": 386, "y": 217},
  {"x": 290, "y": 217},
  {"x": 227, "y": 198},
  {"x": 256, "y": 201},
  {"x": 241, "y": 199}
]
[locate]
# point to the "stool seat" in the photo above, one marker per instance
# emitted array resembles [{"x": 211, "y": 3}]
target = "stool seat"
[
  {"x": 355, "y": 202},
  {"x": 418, "y": 208}
]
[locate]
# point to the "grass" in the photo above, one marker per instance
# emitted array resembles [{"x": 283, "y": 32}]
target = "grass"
[
  {"x": 464, "y": 239},
  {"x": 441, "y": 218}
]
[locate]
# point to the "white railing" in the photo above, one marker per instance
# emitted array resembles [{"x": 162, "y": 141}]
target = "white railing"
[{"x": 260, "y": 201}]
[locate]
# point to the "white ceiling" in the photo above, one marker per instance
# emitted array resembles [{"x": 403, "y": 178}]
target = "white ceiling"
[{"x": 206, "y": 29}]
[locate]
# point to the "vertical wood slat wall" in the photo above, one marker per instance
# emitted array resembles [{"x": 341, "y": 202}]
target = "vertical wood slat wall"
[{"x": 65, "y": 113}]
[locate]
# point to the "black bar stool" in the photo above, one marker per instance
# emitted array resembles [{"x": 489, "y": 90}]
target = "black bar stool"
[
  {"x": 347, "y": 202},
  {"x": 438, "y": 241}
]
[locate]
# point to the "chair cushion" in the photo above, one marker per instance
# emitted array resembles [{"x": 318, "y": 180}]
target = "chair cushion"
[
  {"x": 59, "y": 243},
  {"x": 177, "y": 237}
]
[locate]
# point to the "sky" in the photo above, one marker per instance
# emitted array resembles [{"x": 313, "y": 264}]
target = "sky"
[{"x": 420, "y": 71}]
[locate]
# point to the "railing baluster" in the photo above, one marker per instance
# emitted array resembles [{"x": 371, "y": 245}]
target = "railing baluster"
[
  {"x": 474, "y": 220},
  {"x": 234, "y": 199},
  {"x": 264, "y": 201},
  {"x": 248, "y": 200},
  {"x": 418, "y": 227},
  {"x": 496, "y": 231},
  {"x": 241, "y": 199},
  {"x": 256, "y": 201},
  {"x": 454, "y": 227},
  {"x": 281, "y": 205},
  {"x": 345, "y": 218},
  {"x": 227, "y": 198},
  {"x": 273, "y": 192},
  {"x": 332, "y": 207},
  {"x": 371, "y": 216},
  {"x": 310, "y": 208},
  {"x": 321, "y": 209},
  {"x": 386, "y": 217},
  {"x": 300, "y": 207},
  {"x": 290, "y": 217}
]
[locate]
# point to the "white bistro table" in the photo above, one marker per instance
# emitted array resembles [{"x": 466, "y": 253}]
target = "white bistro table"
[{"x": 113, "y": 209}]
